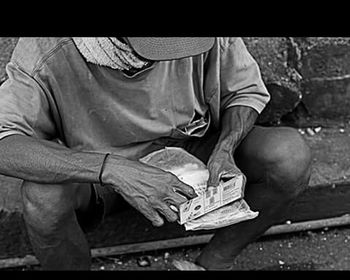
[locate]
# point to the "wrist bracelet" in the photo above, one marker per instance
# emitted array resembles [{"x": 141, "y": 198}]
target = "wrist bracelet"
[{"x": 102, "y": 167}]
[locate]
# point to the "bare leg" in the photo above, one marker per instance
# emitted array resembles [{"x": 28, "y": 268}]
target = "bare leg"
[
  {"x": 276, "y": 162},
  {"x": 55, "y": 234}
]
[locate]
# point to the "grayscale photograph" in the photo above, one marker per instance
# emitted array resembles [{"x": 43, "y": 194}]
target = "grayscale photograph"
[{"x": 174, "y": 153}]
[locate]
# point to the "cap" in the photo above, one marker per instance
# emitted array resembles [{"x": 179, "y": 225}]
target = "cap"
[{"x": 168, "y": 48}]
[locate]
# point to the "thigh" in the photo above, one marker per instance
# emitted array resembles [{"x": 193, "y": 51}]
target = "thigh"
[
  {"x": 253, "y": 153},
  {"x": 266, "y": 149},
  {"x": 55, "y": 196},
  {"x": 46, "y": 206}
]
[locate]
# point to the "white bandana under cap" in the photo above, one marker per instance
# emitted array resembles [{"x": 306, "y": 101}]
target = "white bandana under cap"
[{"x": 108, "y": 51}]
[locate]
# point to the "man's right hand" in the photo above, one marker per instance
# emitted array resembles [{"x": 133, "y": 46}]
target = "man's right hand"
[{"x": 148, "y": 189}]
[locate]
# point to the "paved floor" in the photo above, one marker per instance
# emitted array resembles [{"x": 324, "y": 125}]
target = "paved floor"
[{"x": 324, "y": 249}]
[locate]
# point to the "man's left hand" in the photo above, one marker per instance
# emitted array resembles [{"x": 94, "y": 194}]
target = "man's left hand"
[
  {"x": 237, "y": 122},
  {"x": 221, "y": 166}
]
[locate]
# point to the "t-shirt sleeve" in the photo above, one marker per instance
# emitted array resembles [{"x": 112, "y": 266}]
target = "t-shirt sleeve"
[
  {"x": 240, "y": 77},
  {"x": 24, "y": 108}
]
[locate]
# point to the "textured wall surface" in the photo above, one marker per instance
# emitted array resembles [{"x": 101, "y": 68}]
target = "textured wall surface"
[
  {"x": 325, "y": 67},
  {"x": 315, "y": 69},
  {"x": 7, "y": 45}
]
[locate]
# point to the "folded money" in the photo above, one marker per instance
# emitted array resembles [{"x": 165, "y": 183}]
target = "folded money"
[{"x": 213, "y": 207}]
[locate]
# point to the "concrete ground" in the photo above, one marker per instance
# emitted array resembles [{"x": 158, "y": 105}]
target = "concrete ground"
[
  {"x": 326, "y": 249},
  {"x": 318, "y": 250}
]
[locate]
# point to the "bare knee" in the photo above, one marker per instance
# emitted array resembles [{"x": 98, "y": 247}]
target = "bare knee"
[
  {"x": 288, "y": 159},
  {"x": 44, "y": 206}
]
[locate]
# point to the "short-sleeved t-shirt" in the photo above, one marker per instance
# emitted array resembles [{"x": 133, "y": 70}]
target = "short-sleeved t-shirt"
[{"x": 52, "y": 92}]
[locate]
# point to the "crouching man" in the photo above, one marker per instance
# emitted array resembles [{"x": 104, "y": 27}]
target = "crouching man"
[{"x": 76, "y": 114}]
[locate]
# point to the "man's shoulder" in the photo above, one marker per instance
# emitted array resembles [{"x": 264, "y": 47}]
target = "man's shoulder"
[{"x": 31, "y": 52}]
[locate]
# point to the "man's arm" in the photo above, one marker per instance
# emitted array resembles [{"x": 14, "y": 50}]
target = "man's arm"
[
  {"x": 150, "y": 190},
  {"x": 236, "y": 123},
  {"x": 243, "y": 98},
  {"x": 47, "y": 162}
]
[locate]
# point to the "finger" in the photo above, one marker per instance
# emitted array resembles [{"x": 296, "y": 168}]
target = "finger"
[
  {"x": 213, "y": 180},
  {"x": 173, "y": 207},
  {"x": 169, "y": 214},
  {"x": 183, "y": 189},
  {"x": 152, "y": 215},
  {"x": 175, "y": 199}
]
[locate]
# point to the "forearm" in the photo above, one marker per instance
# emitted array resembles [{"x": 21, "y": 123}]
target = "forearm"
[
  {"x": 236, "y": 123},
  {"x": 47, "y": 162}
]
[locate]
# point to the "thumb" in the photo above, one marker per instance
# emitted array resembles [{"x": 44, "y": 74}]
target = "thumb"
[{"x": 213, "y": 180}]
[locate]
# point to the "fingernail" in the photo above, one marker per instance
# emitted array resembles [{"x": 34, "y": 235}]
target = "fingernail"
[
  {"x": 158, "y": 223},
  {"x": 172, "y": 207}
]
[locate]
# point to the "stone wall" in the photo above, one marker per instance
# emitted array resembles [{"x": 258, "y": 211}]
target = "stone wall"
[
  {"x": 7, "y": 45},
  {"x": 308, "y": 78}
]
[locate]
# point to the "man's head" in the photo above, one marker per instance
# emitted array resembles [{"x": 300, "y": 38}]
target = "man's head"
[{"x": 168, "y": 48}]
